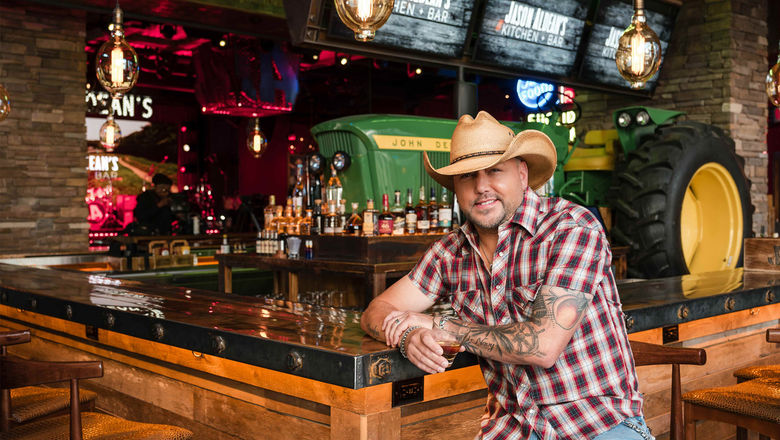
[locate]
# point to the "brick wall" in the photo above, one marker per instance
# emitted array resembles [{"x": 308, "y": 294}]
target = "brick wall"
[
  {"x": 42, "y": 143},
  {"x": 714, "y": 71}
]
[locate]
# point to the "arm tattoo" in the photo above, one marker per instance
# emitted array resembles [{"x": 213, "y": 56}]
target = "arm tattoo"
[
  {"x": 373, "y": 330},
  {"x": 566, "y": 306},
  {"x": 503, "y": 340}
]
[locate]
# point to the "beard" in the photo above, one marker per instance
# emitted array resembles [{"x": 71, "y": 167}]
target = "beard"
[{"x": 492, "y": 220}]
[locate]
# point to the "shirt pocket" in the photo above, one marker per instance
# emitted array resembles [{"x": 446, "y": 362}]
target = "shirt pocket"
[
  {"x": 467, "y": 305},
  {"x": 521, "y": 301}
]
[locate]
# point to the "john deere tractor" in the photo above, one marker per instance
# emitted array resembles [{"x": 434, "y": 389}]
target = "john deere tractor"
[
  {"x": 677, "y": 190},
  {"x": 673, "y": 191}
]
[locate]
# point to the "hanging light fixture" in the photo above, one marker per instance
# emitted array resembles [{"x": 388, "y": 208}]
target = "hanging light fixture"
[
  {"x": 5, "y": 103},
  {"x": 772, "y": 82},
  {"x": 256, "y": 141},
  {"x": 117, "y": 62},
  {"x": 364, "y": 17},
  {"x": 638, "y": 54},
  {"x": 110, "y": 134}
]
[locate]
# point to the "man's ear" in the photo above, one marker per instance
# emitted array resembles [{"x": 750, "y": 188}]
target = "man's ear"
[{"x": 522, "y": 167}]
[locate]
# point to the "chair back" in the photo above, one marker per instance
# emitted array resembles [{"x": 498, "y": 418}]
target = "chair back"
[{"x": 654, "y": 354}]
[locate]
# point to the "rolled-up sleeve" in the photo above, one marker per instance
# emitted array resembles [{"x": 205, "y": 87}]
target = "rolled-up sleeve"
[{"x": 577, "y": 259}]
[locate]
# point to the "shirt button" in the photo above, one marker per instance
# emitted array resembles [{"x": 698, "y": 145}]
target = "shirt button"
[
  {"x": 531, "y": 412},
  {"x": 501, "y": 254}
]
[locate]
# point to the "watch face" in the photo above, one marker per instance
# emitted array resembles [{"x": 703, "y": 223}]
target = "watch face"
[
  {"x": 341, "y": 161},
  {"x": 316, "y": 162}
]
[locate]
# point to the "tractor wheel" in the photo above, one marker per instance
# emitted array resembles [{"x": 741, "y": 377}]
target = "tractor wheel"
[{"x": 682, "y": 202}]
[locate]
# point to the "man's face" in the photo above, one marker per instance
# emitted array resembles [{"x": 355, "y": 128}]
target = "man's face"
[
  {"x": 162, "y": 190},
  {"x": 491, "y": 196}
]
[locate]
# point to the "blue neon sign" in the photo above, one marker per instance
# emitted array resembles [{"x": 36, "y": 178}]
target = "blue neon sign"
[{"x": 533, "y": 94}]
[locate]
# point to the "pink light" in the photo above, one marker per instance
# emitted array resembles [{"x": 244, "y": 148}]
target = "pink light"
[
  {"x": 291, "y": 137},
  {"x": 182, "y": 169},
  {"x": 184, "y": 128}
]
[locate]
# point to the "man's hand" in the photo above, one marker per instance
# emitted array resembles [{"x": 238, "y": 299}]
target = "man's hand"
[
  {"x": 163, "y": 202},
  {"x": 396, "y": 322},
  {"x": 423, "y": 350}
]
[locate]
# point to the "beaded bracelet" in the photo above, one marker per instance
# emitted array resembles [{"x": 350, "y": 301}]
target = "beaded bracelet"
[
  {"x": 443, "y": 320},
  {"x": 402, "y": 345}
]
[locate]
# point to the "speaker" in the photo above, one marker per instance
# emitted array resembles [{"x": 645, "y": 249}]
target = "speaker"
[
  {"x": 303, "y": 17},
  {"x": 465, "y": 98}
]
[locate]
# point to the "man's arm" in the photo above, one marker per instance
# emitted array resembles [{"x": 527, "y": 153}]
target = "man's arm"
[
  {"x": 557, "y": 314},
  {"x": 403, "y": 302}
]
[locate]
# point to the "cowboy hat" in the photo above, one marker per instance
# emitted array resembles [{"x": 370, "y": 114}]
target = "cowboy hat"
[{"x": 482, "y": 142}]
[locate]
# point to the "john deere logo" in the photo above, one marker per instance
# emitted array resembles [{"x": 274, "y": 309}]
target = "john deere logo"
[{"x": 387, "y": 142}]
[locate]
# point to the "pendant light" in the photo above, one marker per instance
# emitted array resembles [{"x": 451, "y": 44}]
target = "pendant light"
[
  {"x": 110, "y": 134},
  {"x": 364, "y": 17},
  {"x": 256, "y": 141},
  {"x": 5, "y": 103},
  {"x": 638, "y": 54},
  {"x": 117, "y": 62},
  {"x": 772, "y": 82}
]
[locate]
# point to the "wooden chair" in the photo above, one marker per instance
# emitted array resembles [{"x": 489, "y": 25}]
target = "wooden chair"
[
  {"x": 749, "y": 405},
  {"x": 653, "y": 354},
  {"x": 15, "y": 373},
  {"x": 22, "y": 405}
]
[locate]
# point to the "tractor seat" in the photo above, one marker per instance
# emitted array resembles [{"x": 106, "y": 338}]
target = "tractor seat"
[{"x": 598, "y": 153}]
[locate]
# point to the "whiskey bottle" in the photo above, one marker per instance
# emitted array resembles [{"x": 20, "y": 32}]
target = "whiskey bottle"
[
  {"x": 423, "y": 221},
  {"x": 342, "y": 217},
  {"x": 299, "y": 191},
  {"x": 445, "y": 213},
  {"x": 316, "y": 218},
  {"x": 333, "y": 190},
  {"x": 433, "y": 212},
  {"x": 385, "y": 219},
  {"x": 410, "y": 213},
  {"x": 399, "y": 217},
  {"x": 369, "y": 219},
  {"x": 331, "y": 220},
  {"x": 268, "y": 212},
  {"x": 354, "y": 222}
]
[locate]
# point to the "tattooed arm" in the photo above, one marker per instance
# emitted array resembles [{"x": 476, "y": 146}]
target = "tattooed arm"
[
  {"x": 556, "y": 315},
  {"x": 394, "y": 310}
]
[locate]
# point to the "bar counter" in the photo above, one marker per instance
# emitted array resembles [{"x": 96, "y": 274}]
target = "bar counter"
[{"x": 318, "y": 356}]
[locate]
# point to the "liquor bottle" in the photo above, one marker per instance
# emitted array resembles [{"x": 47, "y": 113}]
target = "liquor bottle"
[
  {"x": 385, "y": 219},
  {"x": 281, "y": 224},
  {"x": 224, "y": 248},
  {"x": 330, "y": 220},
  {"x": 399, "y": 217},
  {"x": 259, "y": 243},
  {"x": 369, "y": 219},
  {"x": 445, "y": 213},
  {"x": 316, "y": 218},
  {"x": 342, "y": 219},
  {"x": 306, "y": 223},
  {"x": 411, "y": 214},
  {"x": 354, "y": 222},
  {"x": 299, "y": 191},
  {"x": 423, "y": 221},
  {"x": 278, "y": 209},
  {"x": 315, "y": 190},
  {"x": 334, "y": 186},
  {"x": 293, "y": 224},
  {"x": 268, "y": 212},
  {"x": 433, "y": 212}
]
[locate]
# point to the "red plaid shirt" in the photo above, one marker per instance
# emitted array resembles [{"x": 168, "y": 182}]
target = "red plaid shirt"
[{"x": 549, "y": 241}]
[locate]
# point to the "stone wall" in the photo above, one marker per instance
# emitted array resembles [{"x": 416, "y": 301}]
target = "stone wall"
[
  {"x": 43, "y": 141},
  {"x": 714, "y": 71}
]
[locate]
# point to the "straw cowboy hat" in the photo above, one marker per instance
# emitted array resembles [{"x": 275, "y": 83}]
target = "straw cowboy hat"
[{"x": 481, "y": 142}]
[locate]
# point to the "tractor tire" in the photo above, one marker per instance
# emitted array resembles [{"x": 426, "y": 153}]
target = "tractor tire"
[{"x": 682, "y": 202}]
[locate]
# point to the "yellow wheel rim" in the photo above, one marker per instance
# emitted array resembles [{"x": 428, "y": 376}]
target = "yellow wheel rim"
[{"x": 711, "y": 220}]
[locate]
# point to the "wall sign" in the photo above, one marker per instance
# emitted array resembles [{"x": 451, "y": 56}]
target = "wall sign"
[
  {"x": 611, "y": 20},
  {"x": 532, "y": 35},
  {"x": 129, "y": 106},
  {"x": 436, "y": 27}
]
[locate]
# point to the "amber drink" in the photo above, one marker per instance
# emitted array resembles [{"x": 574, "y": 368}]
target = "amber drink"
[{"x": 451, "y": 349}]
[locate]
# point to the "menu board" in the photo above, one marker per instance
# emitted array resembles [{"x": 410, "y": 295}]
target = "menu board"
[
  {"x": 435, "y": 27},
  {"x": 537, "y": 36},
  {"x": 612, "y": 19}
]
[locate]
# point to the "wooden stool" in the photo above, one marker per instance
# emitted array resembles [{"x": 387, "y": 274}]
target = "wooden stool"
[
  {"x": 15, "y": 373},
  {"x": 30, "y": 403},
  {"x": 653, "y": 354},
  {"x": 756, "y": 372},
  {"x": 754, "y": 405}
]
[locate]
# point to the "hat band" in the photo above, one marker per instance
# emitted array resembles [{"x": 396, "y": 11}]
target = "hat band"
[{"x": 481, "y": 153}]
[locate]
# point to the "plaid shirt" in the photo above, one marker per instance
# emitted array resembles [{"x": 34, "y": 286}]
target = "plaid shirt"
[{"x": 549, "y": 241}]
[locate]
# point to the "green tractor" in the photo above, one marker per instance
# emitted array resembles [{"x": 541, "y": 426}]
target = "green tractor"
[
  {"x": 673, "y": 191},
  {"x": 677, "y": 190}
]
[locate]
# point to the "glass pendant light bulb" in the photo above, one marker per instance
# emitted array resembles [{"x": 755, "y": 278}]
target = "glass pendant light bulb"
[
  {"x": 772, "y": 83},
  {"x": 117, "y": 62},
  {"x": 638, "y": 54},
  {"x": 5, "y": 103},
  {"x": 256, "y": 141},
  {"x": 110, "y": 134},
  {"x": 364, "y": 17}
]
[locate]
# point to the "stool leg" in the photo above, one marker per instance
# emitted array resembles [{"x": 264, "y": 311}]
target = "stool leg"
[
  {"x": 690, "y": 422},
  {"x": 742, "y": 433}
]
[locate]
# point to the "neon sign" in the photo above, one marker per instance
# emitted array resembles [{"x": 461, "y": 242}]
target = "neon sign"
[{"x": 533, "y": 94}]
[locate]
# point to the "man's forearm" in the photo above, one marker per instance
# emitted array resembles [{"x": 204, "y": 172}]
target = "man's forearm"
[
  {"x": 517, "y": 343},
  {"x": 371, "y": 320}
]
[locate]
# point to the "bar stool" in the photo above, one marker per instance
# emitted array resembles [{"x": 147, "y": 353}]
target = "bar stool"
[
  {"x": 753, "y": 405},
  {"x": 757, "y": 371},
  {"x": 16, "y": 372},
  {"x": 653, "y": 354},
  {"x": 29, "y": 403}
]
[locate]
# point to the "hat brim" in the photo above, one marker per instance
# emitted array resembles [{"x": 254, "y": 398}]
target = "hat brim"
[{"x": 532, "y": 146}]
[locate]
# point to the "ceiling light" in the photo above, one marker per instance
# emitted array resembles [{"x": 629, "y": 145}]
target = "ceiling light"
[
  {"x": 117, "y": 62},
  {"x": 364, "y": 17},
  {"x": 638, "y": 55}
]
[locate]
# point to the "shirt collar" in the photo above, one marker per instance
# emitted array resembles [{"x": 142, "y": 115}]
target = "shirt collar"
[{"x": 525, "y": 216}]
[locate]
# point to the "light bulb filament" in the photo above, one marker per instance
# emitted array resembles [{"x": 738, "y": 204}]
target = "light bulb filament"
[
  {"x": 109, "y": 135},
  {"x": 365, "y": 9},
  {"x": 637, "y": 53},
  {"x": 117, "y": 66},
  {"x": 257, "y": 143}
]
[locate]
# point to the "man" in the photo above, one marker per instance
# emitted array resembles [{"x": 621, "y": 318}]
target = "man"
[
  {"x": 152, "y": 210},
  {"x": 530, "y": 281}
]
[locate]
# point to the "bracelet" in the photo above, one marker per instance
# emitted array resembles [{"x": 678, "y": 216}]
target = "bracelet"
[
  {"x": 402, "y": 344},
  {"x": 443, "y": 320}
]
